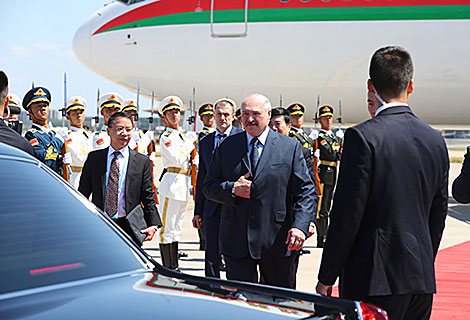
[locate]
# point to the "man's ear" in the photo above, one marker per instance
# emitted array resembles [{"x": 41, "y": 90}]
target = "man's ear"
[
  {"x": 410, "y": 88},
  {"x": 370, "y": 86}
]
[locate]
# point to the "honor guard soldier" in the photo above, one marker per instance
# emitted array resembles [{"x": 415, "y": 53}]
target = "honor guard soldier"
[
  {"x": 237, "y": 122},
  {"x": 140, "y": 142},
  {"x": 206, "y": 114},
  {"x": 46, "y": 143},
  {"x": 109, "y": 104},
  {"x": 175, "y": 149},
  {"x": 329, "y": 146},
  {"x": 79, "y": 142},
  {"x": 297, "y": 117},
  {"x": 13, "y": 109}
]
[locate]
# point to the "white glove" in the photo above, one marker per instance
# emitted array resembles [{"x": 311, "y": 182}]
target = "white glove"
[
  {"x": 132, "y": 144},
  {"x": 192, "y": 136},
  {"x": 317, "y": 154},
  {"x": 67, "y": 159},
  {"x": 150, "y": 135},
  {"x": 136, "y": 136},
  {"x": 340, "y": 133},
  {"x": 62, "y": 134},
  {"x": 196, "y": 160},
  {"x": 314, "y": 134},
  {"x": 152, "y": 157}
]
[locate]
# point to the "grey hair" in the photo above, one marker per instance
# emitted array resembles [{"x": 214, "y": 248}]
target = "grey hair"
[{"x": 259, "y": 98}]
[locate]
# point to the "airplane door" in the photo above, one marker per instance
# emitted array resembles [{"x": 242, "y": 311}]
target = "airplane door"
[{"x": 229, "y": 18}]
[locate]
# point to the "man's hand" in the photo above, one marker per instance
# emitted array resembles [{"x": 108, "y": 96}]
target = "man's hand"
[
  {"x": 242, "y": 187},
  {"x": 295, "y": 239},
  {"x": 311, "y": 230},
  {"x": 197, "y": 221},
  {"x": 150, "y": 232},
  {"x": 323, "y": 289}
]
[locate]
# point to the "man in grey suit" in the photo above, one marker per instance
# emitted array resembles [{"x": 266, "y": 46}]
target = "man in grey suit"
[
  {"x": 261, "y": 179},
  {"x": 391, "y": 200}
]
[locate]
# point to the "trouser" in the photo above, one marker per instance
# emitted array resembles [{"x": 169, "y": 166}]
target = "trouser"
[
  {"x": 323, "y": 213},
  {"x": 280, "y": 272},
  {"x": 75, "y": 179},
  {"x": 404, "y": 306},
  {"x": 212, "y": 259},
  {"x": 169, "y": 255},
  {"x": 172, "y": 214},
  {"x": 202, "y": 235}
]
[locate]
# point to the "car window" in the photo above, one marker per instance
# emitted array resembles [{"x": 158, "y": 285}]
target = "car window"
[{"x": 48, "y": 236}]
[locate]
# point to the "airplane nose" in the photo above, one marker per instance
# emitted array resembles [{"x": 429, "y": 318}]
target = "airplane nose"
[{"x": 82, "y": 44}]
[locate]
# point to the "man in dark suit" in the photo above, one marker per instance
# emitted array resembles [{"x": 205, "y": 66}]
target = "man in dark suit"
[
  {"x": 261, "y": 179},
  {"x": 119, "y": 179},
  {"x": 391, "y": 200},
  {"x": 8, "y": 135},
  {"x": 205, "y": 209},
  {"x": 461, "y": 185}
]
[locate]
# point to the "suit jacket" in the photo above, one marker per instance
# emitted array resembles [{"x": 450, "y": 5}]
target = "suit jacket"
[
  {"x": 138, "y": 188},
  {"x": 204, "y": 207},
  {"x": 389, "y": 208},
  {"x": 12, "y": 138},
  {"x": 461, "y": 185},
  {"x": 282, "y": 196}
]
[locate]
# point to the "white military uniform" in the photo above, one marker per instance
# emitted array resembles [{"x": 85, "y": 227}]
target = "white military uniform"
[
  {"x": 78, "y": 146},
  {"x": 100, "y": 139},
  {"x": 175, "y": 150}
]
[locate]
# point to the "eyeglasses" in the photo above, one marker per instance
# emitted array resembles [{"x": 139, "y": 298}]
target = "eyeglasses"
[{"x": 120, "y": 129}]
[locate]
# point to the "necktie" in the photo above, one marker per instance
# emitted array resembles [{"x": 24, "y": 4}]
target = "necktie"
[
  {"x": 254, "y": 155},
  {"x": 113, "y": 184},
  {"x": 220, "y": 137}
]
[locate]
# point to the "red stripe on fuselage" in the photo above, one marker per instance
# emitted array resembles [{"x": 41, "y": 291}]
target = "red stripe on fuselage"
[{"x": 167, "y": 7}]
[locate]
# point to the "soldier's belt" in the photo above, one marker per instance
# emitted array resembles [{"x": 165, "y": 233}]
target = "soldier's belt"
[
  {"x": 186, "y": 172},
  {"x": 76, "y": 169},
  {"x": 329, "y": 163}
]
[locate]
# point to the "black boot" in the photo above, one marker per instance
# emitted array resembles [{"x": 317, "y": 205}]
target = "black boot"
[
  {"x": 174, "y": 256},
  {"x": 165, "y": 253}
]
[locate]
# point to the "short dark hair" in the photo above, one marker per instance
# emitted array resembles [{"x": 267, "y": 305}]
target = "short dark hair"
[
  {"x": 3, "y": 86},
  {"x": 116, "y": 115},
  {"x": 390, "y": 71},
  {"x": 280, "y": 111}
]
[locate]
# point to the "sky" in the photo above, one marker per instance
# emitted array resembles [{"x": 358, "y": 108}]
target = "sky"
[{"x": 36, "y": 46}]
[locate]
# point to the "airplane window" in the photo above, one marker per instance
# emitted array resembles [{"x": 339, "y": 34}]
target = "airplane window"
[
  {"x": 284, "y": 1},
  {"x": 123, "y": 1},
  {"x": 135, "y": 1}
]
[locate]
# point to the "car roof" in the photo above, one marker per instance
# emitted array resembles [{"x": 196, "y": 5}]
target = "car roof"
[{"x": 7, "y": 151}]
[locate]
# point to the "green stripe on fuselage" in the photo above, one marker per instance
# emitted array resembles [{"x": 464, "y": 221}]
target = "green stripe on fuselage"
[{"x": 457, "y": 12}]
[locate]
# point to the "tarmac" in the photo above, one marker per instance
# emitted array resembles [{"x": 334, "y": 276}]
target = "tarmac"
[{"x": 457, "y": 231}]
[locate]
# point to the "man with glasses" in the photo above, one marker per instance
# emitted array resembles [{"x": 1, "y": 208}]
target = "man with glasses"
[{"x": 119, "y": 180}]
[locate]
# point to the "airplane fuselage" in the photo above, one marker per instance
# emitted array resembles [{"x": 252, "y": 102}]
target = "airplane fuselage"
[{"x": 297, "y": 49}]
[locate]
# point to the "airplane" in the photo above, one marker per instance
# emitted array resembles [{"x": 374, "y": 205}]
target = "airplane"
[{"x": 304, "y": 50}]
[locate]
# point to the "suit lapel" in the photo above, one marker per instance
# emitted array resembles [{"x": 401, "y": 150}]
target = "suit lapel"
[
  {"x": 266, "y": 154},
  {"x": 102, "y": 170}
]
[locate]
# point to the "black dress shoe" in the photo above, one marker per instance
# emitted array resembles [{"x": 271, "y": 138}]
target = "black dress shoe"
[
  {"x": 304, "y": 251},
  {"x": 181, "y": 254}
]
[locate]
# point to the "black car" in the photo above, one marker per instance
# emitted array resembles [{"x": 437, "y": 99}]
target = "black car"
[{"x": 61, "y": 257}]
